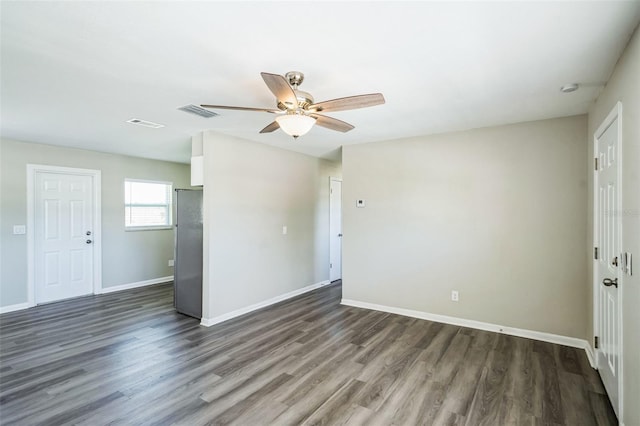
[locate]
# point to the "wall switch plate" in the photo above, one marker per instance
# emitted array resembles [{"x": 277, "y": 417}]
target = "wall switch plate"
[
  {"x": 19, "y": 229},
  {"x": 284, "y": 229},
  {"x": 454, "y": 295},
  {"x": 360, "y": 204},
  {"x": 170, "y": 263}
]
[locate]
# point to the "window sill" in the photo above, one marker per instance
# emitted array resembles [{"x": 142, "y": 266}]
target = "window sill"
[{"x": 147, "y": 228}]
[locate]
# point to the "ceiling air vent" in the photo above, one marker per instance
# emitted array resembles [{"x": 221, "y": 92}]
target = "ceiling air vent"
[
  {"x": 195, "y": 109},
  {"x": 145, "y": 123}
]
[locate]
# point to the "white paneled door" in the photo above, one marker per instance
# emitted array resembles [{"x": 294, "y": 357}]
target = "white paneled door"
[
  {"x": 607, "y": 264},
  {"x": 63, "y": 236},
  {"x": 335, "y": 230}
]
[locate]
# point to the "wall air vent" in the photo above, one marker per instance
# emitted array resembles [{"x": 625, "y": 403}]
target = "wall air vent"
[
  {"x": 145, "y": 123},
  {"x": 195, "y": 109}
]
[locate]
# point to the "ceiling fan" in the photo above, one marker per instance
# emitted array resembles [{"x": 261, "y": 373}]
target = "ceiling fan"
[{"x": 298, "y": 112}]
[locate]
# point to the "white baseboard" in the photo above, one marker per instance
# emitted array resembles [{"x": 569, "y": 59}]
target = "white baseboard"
[
  {"x": 519, "y": 332},
  {"x": 591, "y": 354},
  {"x": 208, "y": 322},
  {"x": 13, "y": 308},
  {"x": 21, "y": 306},
  {"x": 136, "y": 284}
]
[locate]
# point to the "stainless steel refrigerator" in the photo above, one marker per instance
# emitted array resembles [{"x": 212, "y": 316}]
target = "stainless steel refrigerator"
[{"x": 187, "y": 267}]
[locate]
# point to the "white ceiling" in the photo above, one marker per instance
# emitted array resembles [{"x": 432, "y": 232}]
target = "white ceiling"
[{"x": 72, "y": 73}]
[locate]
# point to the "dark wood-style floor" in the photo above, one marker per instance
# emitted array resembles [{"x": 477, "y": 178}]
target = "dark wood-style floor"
[{"x": 128, "y": 358}]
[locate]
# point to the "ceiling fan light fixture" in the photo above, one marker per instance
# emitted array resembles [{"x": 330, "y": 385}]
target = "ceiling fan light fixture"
[{"x": 295, "y": 124}]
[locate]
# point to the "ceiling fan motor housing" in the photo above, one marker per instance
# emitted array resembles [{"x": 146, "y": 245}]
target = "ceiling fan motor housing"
[
  {"x": 304, "y": 100},
  {"x": 295, "y": 79}
]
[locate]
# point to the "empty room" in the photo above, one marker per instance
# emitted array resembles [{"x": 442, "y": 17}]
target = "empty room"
[{"x": 338, "y": 213}]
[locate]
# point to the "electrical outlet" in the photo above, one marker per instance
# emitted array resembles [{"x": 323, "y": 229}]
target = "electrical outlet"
[
  {"x": 170, "y": 262},
  {"x": 454, "y": 295},
  {"x": 19, "y": 229}
]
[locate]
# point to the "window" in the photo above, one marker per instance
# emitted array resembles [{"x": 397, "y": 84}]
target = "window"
[{"x": 147, "y": 204}]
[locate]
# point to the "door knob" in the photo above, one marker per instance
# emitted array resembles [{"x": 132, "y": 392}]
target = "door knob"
[
  {"x": 89, "y": 241},
  {"x": 610, "y": 282},
  {"x": 339, "y": 235}
]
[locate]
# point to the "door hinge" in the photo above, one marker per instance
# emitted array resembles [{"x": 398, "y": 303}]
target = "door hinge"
[
  {"x": 331, "y": 265},
  {"x": 595, "y": 342},
  {"x": 595, "y": 253},
  {"x": 596, "y": 163}
]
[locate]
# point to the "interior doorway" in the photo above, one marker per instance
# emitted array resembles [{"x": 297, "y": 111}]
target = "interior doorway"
[
  {"x": 608, "y": 287},
  {"x": 335, "y": 229}
]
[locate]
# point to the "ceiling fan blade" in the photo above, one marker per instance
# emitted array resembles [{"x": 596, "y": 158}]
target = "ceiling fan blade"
[
  {"x": 332, "y": 123},
  {"x": 350, "y": 102},
  {"x": 279, "y": 86},
  {"x": 241, "y": 108},
  {"x": 271, "y": 127}
]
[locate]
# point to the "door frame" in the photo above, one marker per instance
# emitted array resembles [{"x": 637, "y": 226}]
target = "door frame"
[
  {"x": 616, "y": 113},
  {"x": 32, "y": 170},
  {"x": 331, "y": 179}
]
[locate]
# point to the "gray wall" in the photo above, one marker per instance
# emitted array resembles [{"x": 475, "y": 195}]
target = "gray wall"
[
  {"x": 496, "y": 213},
  {"x": 127, "y": 257},
  {"x": 624, "y": 86},
  {"x": 250, "y": 191}
]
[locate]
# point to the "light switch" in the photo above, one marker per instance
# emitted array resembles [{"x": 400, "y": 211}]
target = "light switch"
[
  {"x": 360, "y": 204},
  {"x": 284, "y": 230},
  {"x": 19, "y": 229}
]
